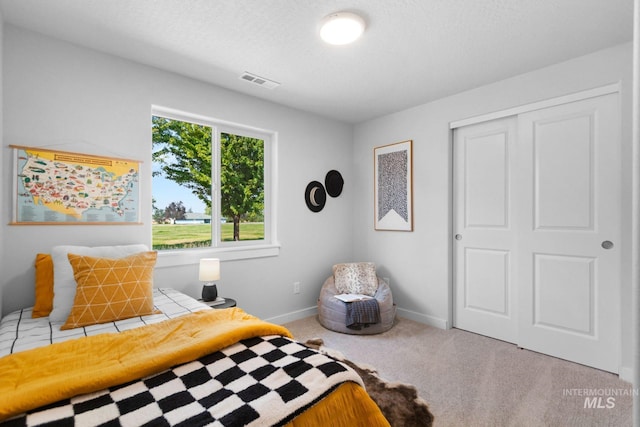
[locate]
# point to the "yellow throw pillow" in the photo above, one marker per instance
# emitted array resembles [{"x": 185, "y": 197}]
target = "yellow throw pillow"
[
  {"x": 111, "y": 289},
  {"x": 44, "y": 286}
]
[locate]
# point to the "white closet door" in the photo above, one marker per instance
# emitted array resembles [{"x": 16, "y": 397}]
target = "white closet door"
[
  {"x": 569, "y": 239},
  {"x": 537, "y": 228},
  {"x": 485, "y": 228}
]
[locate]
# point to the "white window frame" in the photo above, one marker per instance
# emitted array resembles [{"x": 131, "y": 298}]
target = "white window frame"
[{"x": 246, "y": 249}]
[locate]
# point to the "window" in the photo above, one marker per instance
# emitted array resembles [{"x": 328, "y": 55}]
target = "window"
[{"x": 211, "y": 184}]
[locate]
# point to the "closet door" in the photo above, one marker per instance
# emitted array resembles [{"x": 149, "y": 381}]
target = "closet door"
[
  {"x": 537, "y": 230},
  {"x": 485, "y": 229},
  {"x": 569, "y": 231}
]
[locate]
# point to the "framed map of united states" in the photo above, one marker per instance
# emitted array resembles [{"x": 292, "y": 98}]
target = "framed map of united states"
[{"x": 60, "y": 187}]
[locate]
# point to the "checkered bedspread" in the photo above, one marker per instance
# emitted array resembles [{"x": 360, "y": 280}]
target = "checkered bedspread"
[{"x": 260, "y": 381}]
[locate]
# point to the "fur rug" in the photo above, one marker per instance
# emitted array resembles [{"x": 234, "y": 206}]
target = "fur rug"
[{"x": 398, "y": 402}]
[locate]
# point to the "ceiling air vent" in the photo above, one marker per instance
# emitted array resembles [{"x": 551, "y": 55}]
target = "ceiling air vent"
[{"x": 260, "y": 81}]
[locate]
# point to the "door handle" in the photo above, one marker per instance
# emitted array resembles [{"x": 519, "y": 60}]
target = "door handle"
[
  {"x": 458, "y": 236},
  {"x": 607, "y": 244}
]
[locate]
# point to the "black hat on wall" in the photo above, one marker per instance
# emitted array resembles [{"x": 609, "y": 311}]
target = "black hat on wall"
[
  {"x": 334, "y": 183},
  {"x": 315, "y": 196}
]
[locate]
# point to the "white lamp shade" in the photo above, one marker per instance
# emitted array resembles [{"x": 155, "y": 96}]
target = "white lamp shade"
[
  {"x": 209, "y": 269},
  {"x": 341, "y": 28}
]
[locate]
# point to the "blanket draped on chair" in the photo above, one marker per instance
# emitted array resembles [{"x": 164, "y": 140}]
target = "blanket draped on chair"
[{"x": 362, "y": 313}]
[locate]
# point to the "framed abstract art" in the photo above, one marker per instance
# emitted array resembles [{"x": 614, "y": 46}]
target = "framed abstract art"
[{"x": 393, "y": 187}]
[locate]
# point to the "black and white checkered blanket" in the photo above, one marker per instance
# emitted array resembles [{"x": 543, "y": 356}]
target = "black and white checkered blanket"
[{"x": 260, "y": 381}]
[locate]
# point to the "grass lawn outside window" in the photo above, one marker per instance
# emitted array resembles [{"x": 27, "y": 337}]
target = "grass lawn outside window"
[{"x": 183, "y": 236}]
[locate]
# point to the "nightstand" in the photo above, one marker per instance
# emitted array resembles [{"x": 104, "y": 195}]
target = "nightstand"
[{"x": 229, "y": 302}]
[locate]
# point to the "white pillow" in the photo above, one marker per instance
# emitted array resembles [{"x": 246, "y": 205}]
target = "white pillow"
[{"x": 64, "y": 284}]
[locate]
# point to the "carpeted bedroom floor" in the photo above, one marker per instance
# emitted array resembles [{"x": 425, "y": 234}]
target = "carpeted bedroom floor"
[{"x": 472, "y": 380}]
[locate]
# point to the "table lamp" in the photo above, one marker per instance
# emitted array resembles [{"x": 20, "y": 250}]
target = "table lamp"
[{"x": 209, "y": 271}]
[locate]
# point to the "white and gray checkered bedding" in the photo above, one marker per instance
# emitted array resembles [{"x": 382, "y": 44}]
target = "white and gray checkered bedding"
[
  {"x": 260, "y": 381},
  {"x": 19, "y": 332}
]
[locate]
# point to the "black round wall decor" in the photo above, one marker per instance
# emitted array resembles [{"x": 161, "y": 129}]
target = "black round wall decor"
[
  {"x": 315, "y": 196},
  {"x": 334, "y": 183}
]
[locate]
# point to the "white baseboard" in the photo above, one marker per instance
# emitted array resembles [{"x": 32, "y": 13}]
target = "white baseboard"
[
  {"x": 626, "y": 374},
  {"x": 436, "y": 322},
  {"x": 294, "y": 315}
]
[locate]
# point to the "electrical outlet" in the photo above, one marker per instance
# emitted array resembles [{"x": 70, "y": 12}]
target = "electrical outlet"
[{"x": 296, "y": 287}]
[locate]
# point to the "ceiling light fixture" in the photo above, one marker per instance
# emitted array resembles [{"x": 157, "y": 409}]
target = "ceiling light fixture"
[{"x": 341, "y": 28}]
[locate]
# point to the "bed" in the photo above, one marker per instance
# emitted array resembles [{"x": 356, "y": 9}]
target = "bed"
[{"x": 181, "y": 363}]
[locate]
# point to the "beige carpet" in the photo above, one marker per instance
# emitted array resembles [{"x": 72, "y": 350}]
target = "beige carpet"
[{"x": 471, "y": 380}]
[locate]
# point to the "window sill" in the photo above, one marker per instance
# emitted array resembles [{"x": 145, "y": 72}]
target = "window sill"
[{"x": 192, "y": 256}]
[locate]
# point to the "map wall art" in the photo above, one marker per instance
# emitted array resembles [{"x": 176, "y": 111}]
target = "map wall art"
[
  {"x": 59, "y": 187},
  {"x": 393, "y": 187}
]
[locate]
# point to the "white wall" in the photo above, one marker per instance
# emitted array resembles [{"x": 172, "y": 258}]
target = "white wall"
[
  {"x": 418, "y": 263},
  {"x": 3, "y": 220},
  {"x": 62, "y": 96}
]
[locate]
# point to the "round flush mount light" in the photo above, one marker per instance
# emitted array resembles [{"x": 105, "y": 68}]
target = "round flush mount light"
[{"x": 341, "y": 28}]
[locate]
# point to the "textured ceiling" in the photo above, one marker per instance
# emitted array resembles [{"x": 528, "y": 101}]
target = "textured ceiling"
[{"x": 412, "y": 52}]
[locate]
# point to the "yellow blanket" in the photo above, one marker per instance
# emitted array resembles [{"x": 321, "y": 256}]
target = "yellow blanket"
[{"x": 45, "y": 375}]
